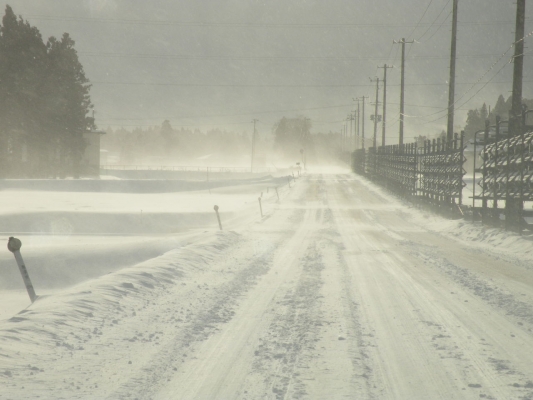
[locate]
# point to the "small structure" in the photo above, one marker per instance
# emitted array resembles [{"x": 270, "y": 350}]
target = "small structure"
[{"x": 90, "y": 160}]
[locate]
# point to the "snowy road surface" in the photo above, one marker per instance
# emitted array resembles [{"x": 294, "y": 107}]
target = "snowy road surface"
[{"x": 340, "y": 291}]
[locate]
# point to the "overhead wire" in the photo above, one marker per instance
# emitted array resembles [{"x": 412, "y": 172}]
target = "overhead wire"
[
  {"x": 421, "y": 18},
  {"x": 435, "y": 20},
  {"x": 479, "y": 81},
  {"x": 231, "y": 115},
  {"x": 205, "y": 24}
]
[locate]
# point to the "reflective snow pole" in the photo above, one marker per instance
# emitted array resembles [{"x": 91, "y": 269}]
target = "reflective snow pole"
[
  {"x": 260, "y": 207},
  {"x": 14, "y": 245},
  {"x": 218, "y": 216}
]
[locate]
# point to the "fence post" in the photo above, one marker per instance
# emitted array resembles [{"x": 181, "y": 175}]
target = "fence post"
[
  {"x": 218, "y": 216},
  {"x": 14, "y": 245},
  {"x": 508, "y": 159},
  {"x": 520, "y": 216},
  {"x": 462, "y": 154},
  {"x": 260, "y": 207},
  {"x": 485, "y": 159}
]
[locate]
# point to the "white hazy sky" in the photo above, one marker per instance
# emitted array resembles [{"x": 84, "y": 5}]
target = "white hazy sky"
[{"x": 221, "y": 63}]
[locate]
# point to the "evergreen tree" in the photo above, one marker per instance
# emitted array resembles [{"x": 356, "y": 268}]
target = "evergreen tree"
[
  {"x": 474, "y": 122},
  {"x": 44, "y": 98},
  {"x": 500, "y": 109},
  {"x": 68, "y": 102},
  {"x": 22, "y": 97},
  {"x": 169, "y": 136},
  {"x": 483, "y": 112}
]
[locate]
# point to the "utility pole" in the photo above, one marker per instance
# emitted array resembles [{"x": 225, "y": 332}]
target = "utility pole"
[
  {"x": 253, "y": 147},
  {"x": 513, "y": 207},
  {"x": 358, "y": 121},
  {"x": 516, "y": 110},
  {"x": 451, "y": 89},
  {"x": 402, "y": 89},
  {"x": 307, "y": 127},
  {"x": 355, "y": 130},
  {"x": 376, "y": 118},
  {"x": 352, "y": 118},
  {"x": 342, "y": 139},
  {"x": 383, "y": 126},
  {"x": 363, "y": 123}
]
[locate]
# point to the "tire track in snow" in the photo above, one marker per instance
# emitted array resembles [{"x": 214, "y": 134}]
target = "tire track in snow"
[
  {"x": 217, "y": 309},
  {"x": 292, "y": 332}
]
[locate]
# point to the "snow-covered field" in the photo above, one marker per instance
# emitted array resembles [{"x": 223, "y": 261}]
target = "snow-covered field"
[{"x": 339, "y": 291}]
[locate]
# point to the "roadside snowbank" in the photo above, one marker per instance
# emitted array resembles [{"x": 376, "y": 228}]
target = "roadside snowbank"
[{"x": 486, "y": 238}]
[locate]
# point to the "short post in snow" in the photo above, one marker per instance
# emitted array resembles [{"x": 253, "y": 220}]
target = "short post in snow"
[
  {"x": 14, "y": 245},
  {"x": 289, "y": 180},
  {"x": 218, "y": 217},
  {"x": 277, "y": 192},
  {"x": 260, "y": 207}
]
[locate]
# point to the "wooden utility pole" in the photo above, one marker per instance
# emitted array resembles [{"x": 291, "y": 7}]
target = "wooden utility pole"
[
  {"x": 451, "y": 89},
  {"x": 516, "y": 110},
  {"x": 376, "y": 118},
  {"x": 513, "y": 206},
  {"x": 355, "y": 130},
  {"x": 357, "y": 124},
  {"x": 402, "y": 89},
  {"x": 384, "y": 121},
  {"x": 350, "y": 136},
  {"x": 253, "y": 147},
  {"x": 363, "y": 123}
]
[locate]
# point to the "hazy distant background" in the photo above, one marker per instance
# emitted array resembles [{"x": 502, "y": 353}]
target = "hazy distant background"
[{"x": 207, "y": 64}]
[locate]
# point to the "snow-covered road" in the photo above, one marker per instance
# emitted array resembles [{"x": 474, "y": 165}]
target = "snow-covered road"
[{"x": 340, "y": 291}]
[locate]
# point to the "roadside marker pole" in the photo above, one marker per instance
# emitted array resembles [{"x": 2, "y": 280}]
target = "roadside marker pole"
[
  {"x": 289, "y": 180},
  {"x": 277, "y": 192},
  {"x": 260, "y": 207},
  {"x": 218, "y": 216},
  {"x": 14, "y": 245}
]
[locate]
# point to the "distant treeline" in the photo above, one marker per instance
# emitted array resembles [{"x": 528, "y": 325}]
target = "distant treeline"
[
  {"x": 44, "y": 102},
  {"x": 475, "y": 120},
  {"x": 165, "y": 145}
]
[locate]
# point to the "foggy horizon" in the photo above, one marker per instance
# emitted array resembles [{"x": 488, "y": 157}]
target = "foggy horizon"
[{"x": 219, "y": 65}]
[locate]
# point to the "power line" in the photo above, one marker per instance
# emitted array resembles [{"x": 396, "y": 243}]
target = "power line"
[
  {"x": 205, "y": 24},
  {"x": 273, "y": 85},
  {"x": 435, "y": 20},
  {"x": 479, "y": 80},
  {"x": 231, "y": 115},
  {"x": 267, "y": 58},
  {"x": 440, "y": 26},
  {"x": 421, "y": 18},
  {"x": 475, "y": 94}
]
